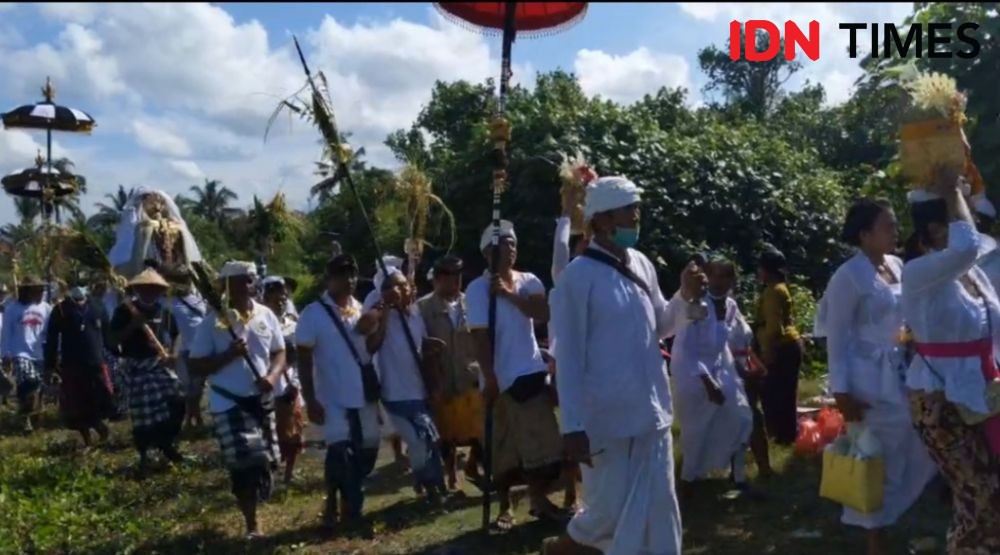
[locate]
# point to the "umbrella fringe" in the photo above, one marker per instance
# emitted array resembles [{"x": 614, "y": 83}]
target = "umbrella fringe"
[{"x": 496, "y": 32}]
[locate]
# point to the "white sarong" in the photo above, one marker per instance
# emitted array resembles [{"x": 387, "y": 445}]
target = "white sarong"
[
  {"x": 630, "y": 503},
  {"x": 908, "y": 466},
  {"x": 711, "y": 435}
]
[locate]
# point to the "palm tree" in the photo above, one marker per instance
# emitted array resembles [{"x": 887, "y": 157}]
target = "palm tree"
[
  {"x": 27, "y": 209},
  {"x": 271, "y": 224},
  {"x": 71, "y": 203},
  {"x": 108, "y": 214},
  {"x": 212, "y": 201}
]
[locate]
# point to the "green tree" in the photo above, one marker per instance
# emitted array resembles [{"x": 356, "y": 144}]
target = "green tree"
[
  {"x": 212, "y": 201},
  {"x": 751, "y": 88}
]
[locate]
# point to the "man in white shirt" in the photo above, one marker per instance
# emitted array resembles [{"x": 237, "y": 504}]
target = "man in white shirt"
[
  {"x": 21, "y": 345},
  {"x": 341, "y": 390},
  {"x": 188, "y": 310},
  {"x": 614, "y": 391},
  {"x": 525, "y": 432},
  {"x": 403, "y": 372},
  {"x": 241, "y": 376}
]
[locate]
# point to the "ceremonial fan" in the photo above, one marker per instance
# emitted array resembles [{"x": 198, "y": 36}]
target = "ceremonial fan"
[{"x": 510, "y": 19}]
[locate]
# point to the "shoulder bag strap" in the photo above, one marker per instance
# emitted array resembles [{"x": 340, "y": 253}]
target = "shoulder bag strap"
[
  {"x": 343, "y": 332},
  {"x": 623, "y": 269}
]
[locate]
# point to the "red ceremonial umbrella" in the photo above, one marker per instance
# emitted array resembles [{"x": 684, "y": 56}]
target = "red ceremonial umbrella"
[{"x": 510, "y": 19}]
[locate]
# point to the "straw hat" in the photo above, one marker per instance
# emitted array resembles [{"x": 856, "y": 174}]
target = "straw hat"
[{"x": 149, "y": 276}]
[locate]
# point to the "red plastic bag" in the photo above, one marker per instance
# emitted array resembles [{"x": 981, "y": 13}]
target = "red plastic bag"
[
  {"x": 831, "y": 424},
  {"x": 810, "y": 439}
]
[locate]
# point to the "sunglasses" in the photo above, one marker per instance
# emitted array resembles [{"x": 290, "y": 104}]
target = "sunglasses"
[{"x": 447, "y": 271}]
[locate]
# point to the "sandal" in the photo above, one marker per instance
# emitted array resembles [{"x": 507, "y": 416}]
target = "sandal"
[{"x": 505, "y": 522}]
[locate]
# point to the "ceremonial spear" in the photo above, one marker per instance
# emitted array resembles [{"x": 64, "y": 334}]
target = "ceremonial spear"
[{"x": 510, "y": 18}]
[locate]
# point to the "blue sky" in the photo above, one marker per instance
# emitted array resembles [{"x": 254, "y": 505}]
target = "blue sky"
[{"x": 181, "y": 92}]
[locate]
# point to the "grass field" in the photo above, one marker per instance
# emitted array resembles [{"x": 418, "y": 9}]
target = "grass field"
[{"x": 55, "y": 497}]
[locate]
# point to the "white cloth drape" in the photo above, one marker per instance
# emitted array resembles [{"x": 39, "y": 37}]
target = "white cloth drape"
[{"x": 630, "y": 504}]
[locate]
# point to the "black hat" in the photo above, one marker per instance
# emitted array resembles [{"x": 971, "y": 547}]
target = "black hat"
[{"x": 342, "y": 264}]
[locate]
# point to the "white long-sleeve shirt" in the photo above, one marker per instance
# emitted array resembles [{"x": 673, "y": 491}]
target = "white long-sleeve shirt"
[
  {"x": 863, "y": 324},
  {"x": 938, "y": 309},
  {"x": 23, "y": 333},
  {"x": 560, "y": 247},
  {"x": 612, "y": 379},
  {"x": 989, "y": 260},
  {"x": 703, "y": 348}
]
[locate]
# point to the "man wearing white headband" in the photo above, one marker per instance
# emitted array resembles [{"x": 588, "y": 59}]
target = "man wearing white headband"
[
  {"x": 242, "y": 374},
  {"x": 525, "y": 431},
  {"x": 609, "y": 315}
]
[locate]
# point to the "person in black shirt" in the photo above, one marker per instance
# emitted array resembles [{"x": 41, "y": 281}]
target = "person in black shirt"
[
  {"x": 156, "y": 406},
  {"x": 74, "y": 351}
]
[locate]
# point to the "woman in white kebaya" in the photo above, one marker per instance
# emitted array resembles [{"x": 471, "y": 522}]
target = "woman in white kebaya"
[
  {"x": 864, "y": 328},
  {"x": 953, "y": 312},
  {"x": 711, "y": 403}
]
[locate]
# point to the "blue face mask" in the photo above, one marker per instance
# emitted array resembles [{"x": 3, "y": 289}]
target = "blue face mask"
[{"x": 626, "y": 237}]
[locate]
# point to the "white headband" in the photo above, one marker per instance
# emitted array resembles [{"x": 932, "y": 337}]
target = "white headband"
[
  {"x": 610, "y": 193},
  {"x": 236, "y": 268},
  {"x": 506, "y": 230}
]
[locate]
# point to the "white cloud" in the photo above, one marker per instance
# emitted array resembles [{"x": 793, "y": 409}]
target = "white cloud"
[
  {"x": 835, "y": 70},
  {"x": 159, "y": 140},
  {"x": 77, "y": 12},
  {"x": 702, "y": 10},
  {"x": 187, "y": 169},
  {"x": 194, "y": 88},
  {"x": 627, "y": 78}
]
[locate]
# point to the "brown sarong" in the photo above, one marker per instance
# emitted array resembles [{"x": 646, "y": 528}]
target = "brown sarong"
[
  {"x": 290, "y": 421},
  {"x": 972, "y": 472},
  {"x": 525, "y": 435}
]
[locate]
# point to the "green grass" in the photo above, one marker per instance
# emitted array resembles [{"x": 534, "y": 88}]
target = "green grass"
[{"x": 57, "y": 498}]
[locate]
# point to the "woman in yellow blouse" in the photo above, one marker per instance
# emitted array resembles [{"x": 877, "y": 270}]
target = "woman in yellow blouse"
[{"x": 779, "y": 347}]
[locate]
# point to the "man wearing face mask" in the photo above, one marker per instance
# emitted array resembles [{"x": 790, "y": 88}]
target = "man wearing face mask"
[
  {"x": 141, "y": 327},
  {"x": 74, "y": 353},
  {"x": 609, "y": 315}
]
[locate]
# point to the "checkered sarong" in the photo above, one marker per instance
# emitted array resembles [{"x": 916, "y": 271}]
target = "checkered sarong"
[
  {"x": 243, "y": 442},
  {"x": 151, "y": 389},
  {"x": 26, "y": 371}
]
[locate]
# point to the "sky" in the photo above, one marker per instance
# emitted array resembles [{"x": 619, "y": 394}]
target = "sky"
[{"x": 182, "y": 92}]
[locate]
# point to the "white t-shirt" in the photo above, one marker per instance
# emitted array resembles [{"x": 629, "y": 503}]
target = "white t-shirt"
[
  {"x": 336, "y": 376},
  {"x": 188, "y": 318},
  {"x": 401, "y": 377},
  {"x": 516, "y": 350},
  {"x": 263, "y": 336},
  {"x": 23, "y": 336}
]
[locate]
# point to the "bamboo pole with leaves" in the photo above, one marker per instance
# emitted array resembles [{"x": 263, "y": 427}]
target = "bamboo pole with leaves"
[{"x": 320, "y": 112}]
